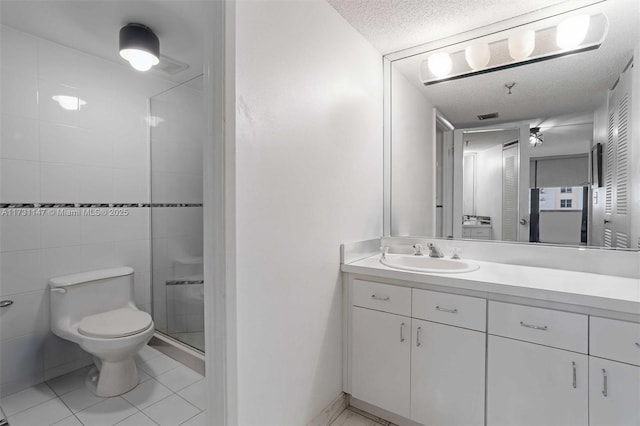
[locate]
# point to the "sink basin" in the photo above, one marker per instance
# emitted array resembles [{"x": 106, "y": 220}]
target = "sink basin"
[{"x": 428, "y": 264}]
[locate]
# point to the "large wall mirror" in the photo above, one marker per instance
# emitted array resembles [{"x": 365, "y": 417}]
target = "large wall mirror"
[{"x": 537, "y": 151}]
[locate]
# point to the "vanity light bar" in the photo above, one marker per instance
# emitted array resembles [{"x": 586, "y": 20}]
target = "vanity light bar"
[{"x": 500, "y": 57}]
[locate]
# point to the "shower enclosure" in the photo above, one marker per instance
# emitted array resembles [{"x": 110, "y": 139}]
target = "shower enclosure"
[{"x": 177, "y": 132}]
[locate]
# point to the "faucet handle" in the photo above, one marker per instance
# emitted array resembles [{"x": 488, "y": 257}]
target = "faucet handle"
[
  {"x": 455, "y": 253},
  {"x": 417, "y": 249}
]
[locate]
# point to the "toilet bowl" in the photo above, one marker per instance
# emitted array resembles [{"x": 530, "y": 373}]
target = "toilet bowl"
[{"x": 95, "y": 309}]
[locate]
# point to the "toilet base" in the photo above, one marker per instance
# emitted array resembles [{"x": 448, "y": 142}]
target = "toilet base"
[{"x": 113, "y": 378}]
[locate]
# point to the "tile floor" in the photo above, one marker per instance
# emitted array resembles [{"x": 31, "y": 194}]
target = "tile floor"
[{"x": 168, "y": 394}]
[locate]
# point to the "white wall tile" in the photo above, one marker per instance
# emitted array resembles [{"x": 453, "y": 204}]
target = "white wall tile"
[
  {"x": 62, "y": 261},
  {"x": 19, "y": 138},
  {"x": 99, "y": 256},
  {"x": 142, "y": 288},
  {"x": 131, "y": 185},
  {"x": 99, "y": 228},
  {"x": 19, "y": 50},
  {"x": 29, "y": 314},
  {"x": 60, "y": 183},
  {"x": 58, "y": 352},
  {"x": 134, "y": 226},
  {"x": 50, "y": 110},
  {"x": 21, "y": 362},
  {"x": 19, "y": 232},
  {"x": 61, "y": 144},
  {"x": 20, "y": 181},
  {"x": 21, "y": 271},
  {"x": 96, "y": 185},
  {"x": 19, "y": 93},
  {"x": 58, "y": 64},
  {"x": 59, "y": 230},
  {"x": 136, "y": 254}
]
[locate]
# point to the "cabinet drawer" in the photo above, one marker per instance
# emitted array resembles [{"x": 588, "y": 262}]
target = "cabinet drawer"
[
  {"x": 616, "y": 340},
  {"x": 453, "y": 309},
  {"x": 382, "y": 297},
  {"x": 544, "y": 326},
  {"x": 481, "y": 233}
]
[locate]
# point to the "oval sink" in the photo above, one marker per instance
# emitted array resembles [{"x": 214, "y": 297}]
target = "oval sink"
[{"x": 428, "y": 264}]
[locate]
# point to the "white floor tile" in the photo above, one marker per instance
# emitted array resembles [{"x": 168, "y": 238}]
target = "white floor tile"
[
  {"x": 199, "y": 420},
  {"x": 69, "y": 421},
  {"x": 156, "y": 366},
  {"x": 147, "y": 353},
  {"x": 80, "y": 399},
  {"x": 351, "y": 418},
  {"x": 142, "y": 376},
  {"x": 146, "y": 394},
  {"x": 171, "y": 411},
  {"x": 107, "y": 413},
  {"x": 27, "y": 398},
  {"x": 179, "y": 378},
  {"x": 138, "y": 419},
  {"x": 69, "y": 382},
  {"x": 196, "y": 394},
  {"x": 46, "y": 413}
]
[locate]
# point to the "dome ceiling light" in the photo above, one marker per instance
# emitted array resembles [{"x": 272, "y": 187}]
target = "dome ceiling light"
[{"x": 139, "y": 46}]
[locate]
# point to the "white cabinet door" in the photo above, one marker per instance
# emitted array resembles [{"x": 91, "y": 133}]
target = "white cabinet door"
[
  {"x": 614, "y": 393},
  {"x": 381, "y": 359},
  {"x": 447, "y": 375},
  {"x": 529, "y": 384}
]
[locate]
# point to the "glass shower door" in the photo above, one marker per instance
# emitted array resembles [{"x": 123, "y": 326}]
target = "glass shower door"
[{"x": 177, "y": 130}]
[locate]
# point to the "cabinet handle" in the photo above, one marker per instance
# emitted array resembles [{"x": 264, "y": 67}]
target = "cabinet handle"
[
  {"x": 575, "y": 378},
  {"x": 418, "y": 342},
  {"x": 604, "y": 383},
  {"x": 637, "y": 345},
  {"x": 383, "y": 298},
  {"x": 5, "y": 303},
  {"x": 401, "y": 332},
  {"x": 535, "y": 327},
  {"x": 451, "y": 311}
]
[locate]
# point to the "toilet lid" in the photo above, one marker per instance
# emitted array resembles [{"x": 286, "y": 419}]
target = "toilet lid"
[{"x": 117, "y": 323}]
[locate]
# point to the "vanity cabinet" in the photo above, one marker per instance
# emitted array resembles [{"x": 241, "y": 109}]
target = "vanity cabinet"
[
  {"x": 614, "y": 383},
  {"x": 447, "y": 375},
  {"x": 530, "y": 384},
  {"x": 439, "y": 358}
]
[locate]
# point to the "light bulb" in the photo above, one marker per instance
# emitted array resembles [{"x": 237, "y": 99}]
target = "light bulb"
[
  {"x": 521, "y": 44},
  {"x": 572, "y": 31},
  {"x": 139, "y": 59},
  {"x": 440, "y": 64},
  {"x": 477, "y": 55}
]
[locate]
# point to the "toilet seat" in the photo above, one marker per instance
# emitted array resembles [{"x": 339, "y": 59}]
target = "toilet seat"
[{"x": 116, "y": 323}]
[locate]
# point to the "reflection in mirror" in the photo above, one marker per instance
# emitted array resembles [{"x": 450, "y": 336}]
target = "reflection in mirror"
[{"x": 548, "y": 152}]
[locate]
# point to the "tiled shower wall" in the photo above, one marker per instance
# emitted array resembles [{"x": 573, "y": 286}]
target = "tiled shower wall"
[{"x": 96, "y": 154}]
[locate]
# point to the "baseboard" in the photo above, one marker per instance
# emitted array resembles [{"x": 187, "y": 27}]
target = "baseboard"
[
  {"x": 182, "y": 353},
  {"x": 378, "y": 414},
  {"x": 331, "y": 412}
]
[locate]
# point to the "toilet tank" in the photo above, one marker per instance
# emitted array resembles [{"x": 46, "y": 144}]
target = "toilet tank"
[{"x": 75, "y": 296}]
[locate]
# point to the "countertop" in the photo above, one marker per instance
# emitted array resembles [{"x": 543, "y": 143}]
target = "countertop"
[{"x": 578, "y": 288}]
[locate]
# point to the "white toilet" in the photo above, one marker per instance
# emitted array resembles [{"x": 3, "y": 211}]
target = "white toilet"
[{"x": 95, "y": 309}]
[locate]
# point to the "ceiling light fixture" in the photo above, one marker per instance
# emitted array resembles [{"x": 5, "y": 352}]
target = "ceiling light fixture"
[
  {"x": 440, "y": 64},
  {"x": 535, "y": 137},
  {"x": 140, "y": 46},
  {"x": 537, "y": 41}
]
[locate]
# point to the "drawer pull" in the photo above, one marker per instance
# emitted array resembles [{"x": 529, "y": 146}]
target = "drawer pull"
[
  {"x": 535, "y": 327},
  {"x": 637, "y": 345},
  {"x": 418, "y": 342},
  {"x": 383, "y": 298},
  {"x": 5, "y": 303},
  {"x": 401, "y": 332},
  {"x": 604, "y": 382},
  {"x": 575, "y": 378},
  {"x": 451, "y": 311}
]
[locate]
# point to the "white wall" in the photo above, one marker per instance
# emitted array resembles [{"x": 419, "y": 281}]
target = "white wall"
[
  {"x": 413, "y": 164},
  {"x": 98, "y": 154},
  {"x": 309, "y": 176}
]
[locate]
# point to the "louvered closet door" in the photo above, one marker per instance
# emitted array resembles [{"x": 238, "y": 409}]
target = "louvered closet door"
[{"x": 617, "y": 166}]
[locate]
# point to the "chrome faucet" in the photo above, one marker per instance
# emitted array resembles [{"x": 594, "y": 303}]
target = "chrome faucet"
[
  {"x": 417, "y": 250},
  {"x": 384, "y": 250},
  {"x": 434, "y": 251}
]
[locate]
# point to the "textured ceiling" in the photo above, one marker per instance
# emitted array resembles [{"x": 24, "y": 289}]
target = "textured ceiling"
[
  {"x": 93, "y": 26},
  {"x": 392, "y": 25},
  {"x": 570, "y": 84}
]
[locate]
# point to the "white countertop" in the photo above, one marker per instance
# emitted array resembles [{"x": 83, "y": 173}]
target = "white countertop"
[{"x": 554, "y": 285}]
